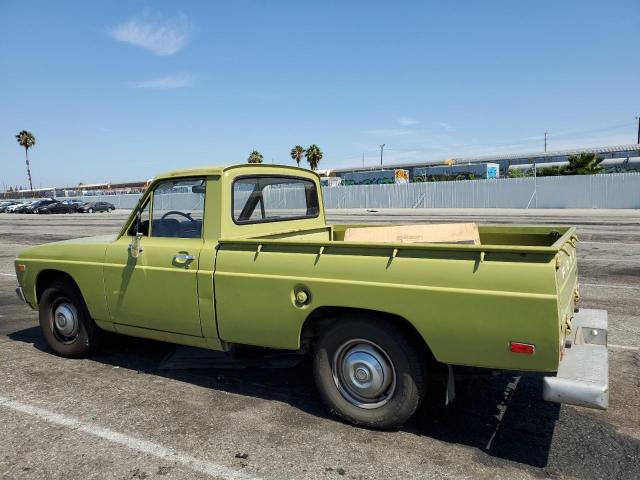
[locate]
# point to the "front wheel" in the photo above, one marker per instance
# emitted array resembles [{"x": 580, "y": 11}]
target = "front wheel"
[
  {"x": 65, "y": 321},
  {"x": 90, "y": 210},
  {"x": 369, "y": 372}
]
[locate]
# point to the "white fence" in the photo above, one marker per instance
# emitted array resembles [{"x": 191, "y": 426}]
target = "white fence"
[
  {"x": 127, "y": 201},
  {"x": 615, "y": 190},
  {"x": 580, "y": 191}
]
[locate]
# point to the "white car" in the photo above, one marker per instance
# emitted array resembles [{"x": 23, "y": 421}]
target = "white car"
[{"x": 13, "y": 208}]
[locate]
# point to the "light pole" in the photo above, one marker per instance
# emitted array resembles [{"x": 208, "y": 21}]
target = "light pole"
[
  {"x": 545, "y": 142},
  {"x": 638, "y": 118},
  {"x": 381, "y": 150},
  {"x": 535, "y": 182}
]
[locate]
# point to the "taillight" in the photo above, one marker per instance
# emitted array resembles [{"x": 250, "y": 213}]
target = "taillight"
[{"x": 525, "y": 348}]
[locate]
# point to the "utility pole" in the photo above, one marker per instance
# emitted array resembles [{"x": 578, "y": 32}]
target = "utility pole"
[
  {"x": 638, "y": 118},
  {"x": 381, "y": 150},
  {"x": 535, "y": 181},
  {"x": 545, "y": 142},
  {"x": 362, "y": 159}
]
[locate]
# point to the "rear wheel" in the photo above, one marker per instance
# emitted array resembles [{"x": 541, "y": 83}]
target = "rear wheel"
[
  {"x": 65, "y": 321},
  {"x": 369, "y": 372}
]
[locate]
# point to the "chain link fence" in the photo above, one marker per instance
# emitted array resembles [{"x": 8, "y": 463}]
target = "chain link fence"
[{"x": 578, "y": 191}]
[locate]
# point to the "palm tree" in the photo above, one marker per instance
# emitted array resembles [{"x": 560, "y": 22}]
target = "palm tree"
[
  {"x": 297, "y": 153},
  {"x": 27, "y": 140},
  {"x": 583, "y": 164},
  {"x": 255, "y": 157},
  {"x": 314, "y": 155}
]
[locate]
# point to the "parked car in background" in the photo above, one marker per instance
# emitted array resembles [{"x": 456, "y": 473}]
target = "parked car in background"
[
  {"x": 19, "y": 208},
  {"x": 14, "y": 207},
  {"x": 73, "y": 203},
  {"x": 7, "y": 204},
  {"x": 57, "y": 207},
  {"x": 91, "y": 207},
  {"x": 31, "y": 208}
]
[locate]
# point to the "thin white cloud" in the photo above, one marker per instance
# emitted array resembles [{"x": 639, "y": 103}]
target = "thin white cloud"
[
  {"x": 166, "y": 82},
  {"x": 407, "y": 121},
  {"x": 445, "y": 126},
  {"x": 434, "y": 150},
  {"x": 160, "y": 36},
  {"x": 388, "y": 132}
]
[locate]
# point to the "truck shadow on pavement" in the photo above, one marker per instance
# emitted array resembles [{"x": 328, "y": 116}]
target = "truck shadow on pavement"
[{"x": 502, "y": 416}]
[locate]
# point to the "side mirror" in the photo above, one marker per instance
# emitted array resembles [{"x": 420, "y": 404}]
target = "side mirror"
[{"x": 135, "y": 247}]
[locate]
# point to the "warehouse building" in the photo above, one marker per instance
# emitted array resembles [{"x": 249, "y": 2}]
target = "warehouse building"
[{"x": 621, "y": 158}]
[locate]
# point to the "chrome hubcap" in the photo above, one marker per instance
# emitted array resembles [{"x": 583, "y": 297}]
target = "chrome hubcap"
[
  {"x": 65, "y": 320},
  {"x": 363, "y": 374}
]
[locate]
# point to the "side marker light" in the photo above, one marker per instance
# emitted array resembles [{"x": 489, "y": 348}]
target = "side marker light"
[{"x": 526, "y": 348}]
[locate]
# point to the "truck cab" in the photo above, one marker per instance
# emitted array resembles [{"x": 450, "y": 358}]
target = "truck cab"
[{"x": 168, "y": 250}]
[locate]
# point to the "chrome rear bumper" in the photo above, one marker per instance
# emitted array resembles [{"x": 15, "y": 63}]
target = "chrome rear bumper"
[{"x": 583, "y": 374}]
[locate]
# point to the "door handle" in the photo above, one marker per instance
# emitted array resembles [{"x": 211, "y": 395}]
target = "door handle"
[{"x": 183, "y": 259}]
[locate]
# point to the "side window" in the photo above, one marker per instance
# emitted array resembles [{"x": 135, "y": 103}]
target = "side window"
[{"x": 178, "y": 208}]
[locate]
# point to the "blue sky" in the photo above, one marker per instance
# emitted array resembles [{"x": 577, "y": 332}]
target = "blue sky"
[{"x": 121, "y": 90}]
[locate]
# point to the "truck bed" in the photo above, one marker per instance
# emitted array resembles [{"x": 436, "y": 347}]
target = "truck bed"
[
  {"x": 467, "y": 301},
  {"x": 495, "y": 238}
]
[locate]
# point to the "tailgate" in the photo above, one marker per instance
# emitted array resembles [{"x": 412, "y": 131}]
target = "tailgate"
[{"x": 566, "y": 280}]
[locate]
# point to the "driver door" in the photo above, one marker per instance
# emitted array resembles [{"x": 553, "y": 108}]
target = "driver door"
[{"x": 157, "y": 290}]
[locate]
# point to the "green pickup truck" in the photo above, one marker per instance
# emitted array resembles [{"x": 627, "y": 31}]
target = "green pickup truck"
[{"x": 222, "y": 256}]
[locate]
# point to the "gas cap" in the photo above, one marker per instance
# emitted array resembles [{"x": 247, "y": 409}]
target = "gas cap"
[{"x": 302, "y": 297}]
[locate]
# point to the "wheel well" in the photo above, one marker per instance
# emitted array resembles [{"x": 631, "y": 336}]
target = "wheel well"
[
  {"x": 323, "y": 317},
  {"x": 47, "y": 277}
]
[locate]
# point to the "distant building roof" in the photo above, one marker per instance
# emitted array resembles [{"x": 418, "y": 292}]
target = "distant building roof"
[
  {"x": 490, "y": 158},
  {"x": 43, "y": 189}
]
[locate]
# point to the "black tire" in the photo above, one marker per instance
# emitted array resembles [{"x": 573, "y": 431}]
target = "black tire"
[
  {"x": 335, "y": 350},
  {"x": 84, "y": 337},
  {"x": 90, "y": 210}
]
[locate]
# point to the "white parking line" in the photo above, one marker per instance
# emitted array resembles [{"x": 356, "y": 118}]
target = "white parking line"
[
  {"x": 133, "y": 443},
  {"x": 588, "y": 259},
  {"x": 502, "y": 407},
  {"x": 8, "y": 274},
  {"x": 607, "y": 285},
  {"x": 622, "y": 347},
  {"x": 604, "y": 243}
]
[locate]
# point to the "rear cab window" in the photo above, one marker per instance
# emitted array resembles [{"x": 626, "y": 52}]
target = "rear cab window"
[{"x": 269, "y": 198}]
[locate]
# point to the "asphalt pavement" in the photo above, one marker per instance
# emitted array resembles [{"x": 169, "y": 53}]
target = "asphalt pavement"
[{"x": 144, "y": 409}]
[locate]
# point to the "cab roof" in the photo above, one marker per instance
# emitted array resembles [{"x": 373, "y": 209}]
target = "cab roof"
[{"x": 220, "y": 169}]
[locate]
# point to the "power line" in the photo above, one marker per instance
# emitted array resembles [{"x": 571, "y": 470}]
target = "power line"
[{"x": 417, "y": 149}]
